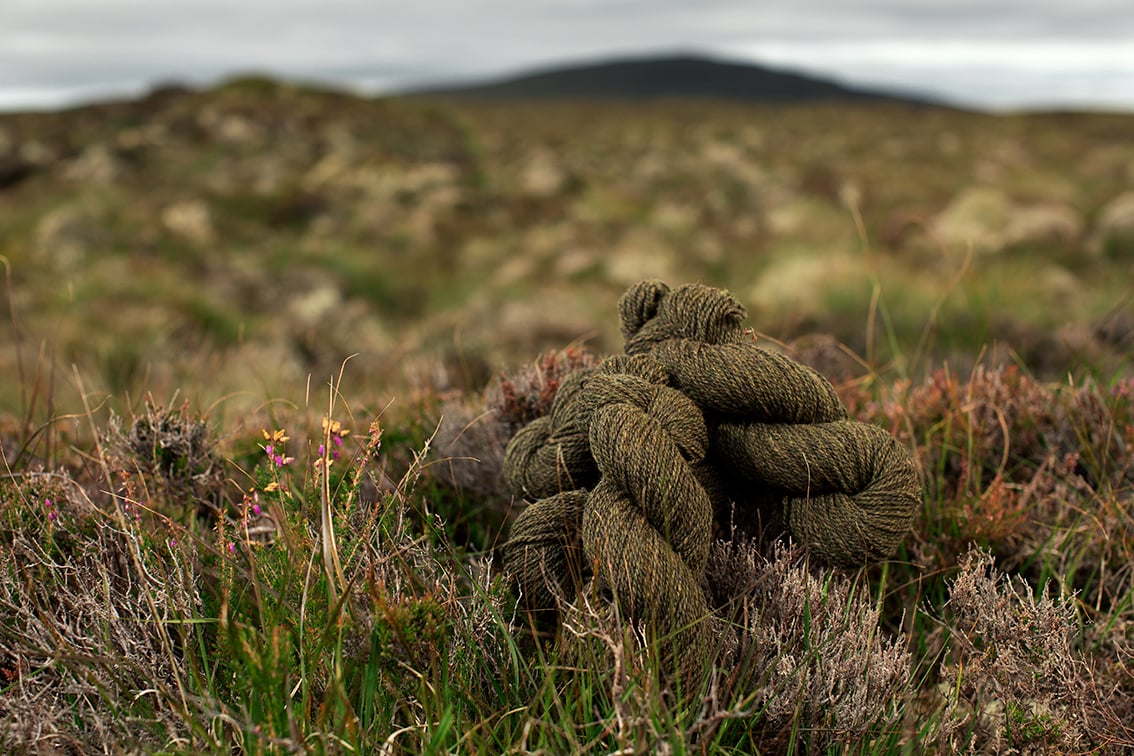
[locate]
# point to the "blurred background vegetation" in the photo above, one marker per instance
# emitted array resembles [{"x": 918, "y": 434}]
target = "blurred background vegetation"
[{"x": 249, "y": 236}]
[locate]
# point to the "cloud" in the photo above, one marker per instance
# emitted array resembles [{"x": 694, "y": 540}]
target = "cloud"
[
  {"x": 990, "y": 73},
  {"x": 61, "y": 44}
]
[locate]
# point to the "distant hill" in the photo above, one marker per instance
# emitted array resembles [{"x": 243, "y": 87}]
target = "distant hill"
[{"x": 683, "y": 76}]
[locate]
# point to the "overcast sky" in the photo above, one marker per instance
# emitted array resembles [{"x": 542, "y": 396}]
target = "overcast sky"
[{"x": 988, "y": 53}]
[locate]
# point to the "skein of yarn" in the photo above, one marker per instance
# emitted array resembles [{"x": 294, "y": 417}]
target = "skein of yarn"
[{"x": 616, "y": 471}]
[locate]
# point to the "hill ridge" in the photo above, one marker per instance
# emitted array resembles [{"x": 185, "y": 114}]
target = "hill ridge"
[{"x": 679, "y": 75}]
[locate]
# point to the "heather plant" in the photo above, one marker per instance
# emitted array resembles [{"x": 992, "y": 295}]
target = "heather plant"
[
  {"x": 1041, "y": 473},
  {"x": 471, "y": 441},
  {"x": 519, "y": 397},
  {"x": 170, "y": 457},
  {"x": 472, "y": 432},
  {"x": 800, "y": 666},
  {"x": 1013, "y": 679},
  {"x": 810, "y": 649}
]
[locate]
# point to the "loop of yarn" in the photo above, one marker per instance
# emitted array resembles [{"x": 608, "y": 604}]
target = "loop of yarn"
[
  {"x": 849, "y": 488},
  {"x": 742, "y": 380},
  {"x": 544, "y": 552},
  {"x": 643, "y": 437},
  {"x": 651, "y": 313},
  {"x": 552, "y": 454},
  {"x": 639, "y": 454}
]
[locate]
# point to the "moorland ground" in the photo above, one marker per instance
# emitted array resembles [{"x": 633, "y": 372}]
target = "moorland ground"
[{"x": 194, "y": 281}]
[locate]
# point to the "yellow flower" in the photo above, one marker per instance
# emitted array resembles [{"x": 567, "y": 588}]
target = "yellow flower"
[
  {"x": 276, "y": 437},
  {"x": 335, "y": 428}
]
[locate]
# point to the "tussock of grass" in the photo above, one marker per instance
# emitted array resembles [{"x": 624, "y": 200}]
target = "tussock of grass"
[
  {"x": 305, "y": 588},
  {"x": 90, "y": 648}
]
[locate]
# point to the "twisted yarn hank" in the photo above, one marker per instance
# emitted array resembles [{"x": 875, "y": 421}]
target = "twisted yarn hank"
[
  {"x": 617, "y": 468},
  {"x": 643, "y": 532},
  {"x": 647, "y": 525}
]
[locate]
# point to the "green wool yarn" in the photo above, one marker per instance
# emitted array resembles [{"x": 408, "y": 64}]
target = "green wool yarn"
[{"x": 617, "y": 472}]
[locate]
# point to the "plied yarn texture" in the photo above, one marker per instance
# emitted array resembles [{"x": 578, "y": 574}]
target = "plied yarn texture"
[{"x": 644, "y": 458}]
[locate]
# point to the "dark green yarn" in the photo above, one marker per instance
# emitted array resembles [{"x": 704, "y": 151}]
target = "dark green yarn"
[
  {"x": 647, "y": 526},
  {"x": 544, "y": 551},
  {"x": 850, "y": 489},
  {"x": 744, "y": 381},
  {"x": 552, "y": 453},
  {"x": 643, "y": 437},
  {"x": 652, "y": 313},
  {"x": 637, "y": 455}
]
